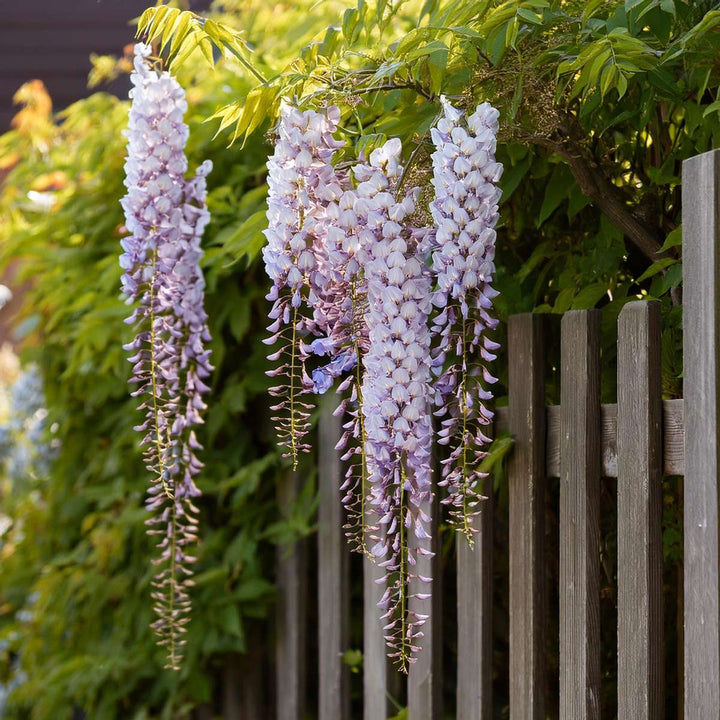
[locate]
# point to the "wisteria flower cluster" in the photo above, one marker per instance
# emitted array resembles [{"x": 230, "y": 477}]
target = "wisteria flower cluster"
[
  {"x": 465, "y": 211},
  {"x": 368, "y": 295},
  {"x": 165, "y": 214}
]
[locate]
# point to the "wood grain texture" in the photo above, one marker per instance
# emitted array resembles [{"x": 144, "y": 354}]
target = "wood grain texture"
[
  {"x": 333, "y": 566},
  {"x": 527, "y": 486},
  {"x": 701, "y": 391},
  {"x": 425, "y": 674},
  {"x": 639, "y": 502},
  {"x": 474, "y": 615},
  {"x": 673, "y": 437},
  {"x": 580, "y": 468},
  {"x": 375, "y": 665},
  {"x": 290, "y": 615}
]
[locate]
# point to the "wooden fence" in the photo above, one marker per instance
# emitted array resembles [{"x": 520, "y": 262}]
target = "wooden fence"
[{"x": 636, "y": 440}]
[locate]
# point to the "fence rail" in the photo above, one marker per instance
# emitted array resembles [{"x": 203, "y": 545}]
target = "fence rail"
[{"x": 636, "y": 440}]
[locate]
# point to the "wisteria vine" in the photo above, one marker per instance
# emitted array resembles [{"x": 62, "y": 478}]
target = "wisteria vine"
[
  {"x": 368, "y": 294},
  {"x": 165, "y": 214}
]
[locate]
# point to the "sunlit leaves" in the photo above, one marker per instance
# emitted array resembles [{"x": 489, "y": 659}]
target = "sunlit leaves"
[
  {"x": 504, "y": 25},
  {"x": 178, "y": 33}
]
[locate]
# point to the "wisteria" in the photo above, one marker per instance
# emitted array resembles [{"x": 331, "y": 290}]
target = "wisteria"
[
  {"x": 395, "y": 388},
  {"x": 465, "y": 211},
  {"x": 165, "y": 214},
  {"x": 371, "y": 299},
  {"x": 301, "y": 182}
]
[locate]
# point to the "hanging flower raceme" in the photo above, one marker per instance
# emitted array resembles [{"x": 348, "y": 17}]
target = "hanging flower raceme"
[
  {"x": 465, "y": 211},
  {"x": 301, "y": 184},
  {"x": 355, "y": 277},
  {"x": 395, "y": 389},
  {"x": 165, "y": 214}
]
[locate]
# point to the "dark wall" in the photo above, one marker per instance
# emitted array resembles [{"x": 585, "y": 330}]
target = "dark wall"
[{"x": 52, "y": 40}]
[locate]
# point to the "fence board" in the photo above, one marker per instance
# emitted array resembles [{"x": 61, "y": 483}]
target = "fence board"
[
  {"x": 290, "y": 648},
  {"x": 333, "y": 579},
  {"x": 673, "y": 437},
  {"x": 639, "y": 426},
  {"x": 474, "y": 615},
  {"x": 701, "y": 389},
  {"x": 375, "y": 666},
  {"x": 580, "y": 516},
  {"x": 527, "y": 527},
  {"x": 425, "y": 675}
]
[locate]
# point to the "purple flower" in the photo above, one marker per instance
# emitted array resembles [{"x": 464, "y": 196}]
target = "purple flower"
[
  {"x": 395, "y": 385},
  {"x": 356, "y": 276},
  {"x": 301, "y": 184},
  {"x": 166, "y": 215},
  {"x": 322, "y": 346},
  {"x": 465, "y": 211}
]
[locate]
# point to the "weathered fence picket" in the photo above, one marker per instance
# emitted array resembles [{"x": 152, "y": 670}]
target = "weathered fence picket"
[
  {"x": 526, "y": 477},
  {"x": 701, "y": 390},
  {"x": 636, "y": 440},
  {"x": 375, "y": 665},
  {"x": 425, "y": 675},
  {"x": 474, "y": 615},
  {"x": 580, "y": 468},
  {"x": 290, "y": 615},
  {"x": 333, "y": 578},
  {"x": 639, "y": 506}
]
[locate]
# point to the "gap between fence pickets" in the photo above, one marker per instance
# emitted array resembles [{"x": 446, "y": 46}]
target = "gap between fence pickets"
[{"x": 673, "y": 437}]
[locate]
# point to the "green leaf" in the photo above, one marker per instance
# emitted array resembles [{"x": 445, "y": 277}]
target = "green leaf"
[
  {"x": 556, "y": 191},
  {"x": 621, "y": 85},
  {"x": 246, "y": 239},
  {"x": 513, "y": 175},
  {"x": 516, "y": 99},
  {"x": 589, "y": 296},
  {"x": 673, "y": 239},
  {"x": 607, "y": 79},
  {"x": 657, "y": 267},
  {"x": 530, "y": 16},
  {"x": 563, "y": 301},
  {"x": 499, "y": 448},
  {"x": 230, "y": 621},
  {"x": 712, "y": 108}
]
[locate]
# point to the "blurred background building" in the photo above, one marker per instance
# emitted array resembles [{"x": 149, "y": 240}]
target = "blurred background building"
[{"x": 51, "y": 41}]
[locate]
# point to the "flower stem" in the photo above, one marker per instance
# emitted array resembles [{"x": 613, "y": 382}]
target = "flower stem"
[
  {"x": 404, "y": 655},
  {"x": 153, "y": 376},
  {"x": 464, "y": 410},
  {"x": 292, "y": 391}
]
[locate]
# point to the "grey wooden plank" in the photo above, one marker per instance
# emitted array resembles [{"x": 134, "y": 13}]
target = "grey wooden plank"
[
  {"x": 639, "y": 433},
  {"x": 290, "y": 620},
  {"x": 673, "y": 437},
  {"x": 474, "y": 615},
  {"x": 333, "y": 566},
  {"x": 608, "y": 440},
  {"x": 425, "y": 674},
  {"x": 375, "y": 663},
  {"x": 701, "y": 391},
  {"x": 527, "y": 485},
  {"x": 580, "y": 468}
]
